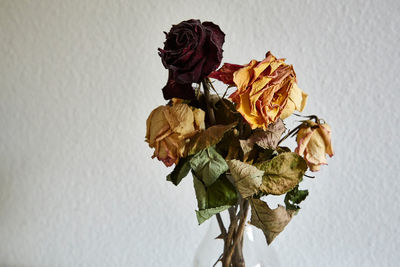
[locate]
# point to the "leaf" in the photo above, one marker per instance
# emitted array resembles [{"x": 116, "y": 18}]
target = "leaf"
[
  {"x": 180, "y": 171},
  {"x": 229, "y": 146},
  {"x": 270, "y": 221},
  {"x": 208, "y": 165},
  {"x": 215, "y": 198},
  {"x": 265, "y": 139},
  {"x": 221, "y": 193},
  {"x": 282, "y": 173},
  {"x": 225, "y": 112},
  {"x": 247, "y": 178},
  {"x": 204, "y": 215},
  {"x": 295, "y": 197},
  {"x": 266, "y": 155},
  {"x": 207, "y": 138},
  {"x": 201, "y": 193}
]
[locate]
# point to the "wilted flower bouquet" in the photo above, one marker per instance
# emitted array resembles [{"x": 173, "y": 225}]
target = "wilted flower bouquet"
[{"x": 232, "y": 145}]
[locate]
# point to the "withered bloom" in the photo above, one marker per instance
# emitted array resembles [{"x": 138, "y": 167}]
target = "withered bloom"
[
  {"x": 314, "y": 141},
  {"x": 168, "y": 127},
  {"x": 192, "y": 50},
  {"x": 266, "y": 90}
]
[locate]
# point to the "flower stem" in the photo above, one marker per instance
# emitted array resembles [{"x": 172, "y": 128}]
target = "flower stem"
[
  {"x": 210, "y": 111},
  {"x": 235, "y": 245}
]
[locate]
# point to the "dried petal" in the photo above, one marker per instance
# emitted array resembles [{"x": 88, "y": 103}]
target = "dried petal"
[
  {"x": 168, "y": 127},
  {"x": 266, "y": 91},
  {"x": 313, "y": 142}
]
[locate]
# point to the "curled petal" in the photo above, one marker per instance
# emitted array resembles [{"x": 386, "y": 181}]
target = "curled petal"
[
  {"x": 225, "y": 73},
  {"x": 266, "y": 91},
  {"x": 168, "y": 127},
  {"x": 297, "y": 101},
  {"x": 174, "y": 89},
  {"x": 325, "y": 131},
  {"x": 313, "y": 142}
]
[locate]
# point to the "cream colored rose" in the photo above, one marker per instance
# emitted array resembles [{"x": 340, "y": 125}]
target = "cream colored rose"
[
  {"x": 168, "y": 127},
  {"x": 314, "y": 141}
]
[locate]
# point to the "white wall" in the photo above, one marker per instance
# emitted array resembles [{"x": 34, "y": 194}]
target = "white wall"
[{"x": 79, "y": 78}]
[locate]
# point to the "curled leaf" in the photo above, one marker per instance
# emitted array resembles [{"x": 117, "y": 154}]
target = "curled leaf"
[
  {"x": 204, "y": 215},
  {"x": 180, "y": 171},
  {"x": 214, "y": 198},
  {"x": 207, "y": 138},
  {"x": 247, "y": 178},
  {"x": 267, "y": 139},
  {"x": 270, "y": 221},
  {"x": 294, "y": 198}
]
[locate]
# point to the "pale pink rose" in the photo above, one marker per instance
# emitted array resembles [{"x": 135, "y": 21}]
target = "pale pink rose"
[{"x": 314, "y": 141}]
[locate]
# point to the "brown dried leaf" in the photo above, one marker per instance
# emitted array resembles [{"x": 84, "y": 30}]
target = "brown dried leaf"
[
  {"x": 270, "y": 221},
  {"x": 265, "y": 139},
  {"x": 247, "y": 178},
  {"x": 207, "y": 138}
]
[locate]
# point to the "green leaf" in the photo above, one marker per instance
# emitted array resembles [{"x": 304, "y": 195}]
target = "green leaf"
[
  {"x": 201, "y": 193},
  {"x": 282, "y": 173},
  {"x": 208, "y": 165},
  {"x": 221, "y": 193},
  {"x": 247, "y": 178},
  {"x": 204, "y": 215},
  {"x": 270, "y": 221},
  {"x": 215, "y": 198},
  {"x": 180, "y": 171},
  {"x": 207, "y": 138},
  {"x": 295, "y": 197}
]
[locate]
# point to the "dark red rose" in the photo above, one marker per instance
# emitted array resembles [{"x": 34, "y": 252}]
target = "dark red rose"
[{"x": 192, "y": 50}]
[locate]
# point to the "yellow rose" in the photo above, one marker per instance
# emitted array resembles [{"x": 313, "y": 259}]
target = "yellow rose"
[
  {"x": 168, "y": 127},
  {"x": 266, "y": 91},
  {"x": 313, "y": 142}
]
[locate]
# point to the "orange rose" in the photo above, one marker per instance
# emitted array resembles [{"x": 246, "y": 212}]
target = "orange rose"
[
  {"x": 266, "y": 90},
  {"x": 168, "y": 127},
  {"x": 314, "y": 141}
]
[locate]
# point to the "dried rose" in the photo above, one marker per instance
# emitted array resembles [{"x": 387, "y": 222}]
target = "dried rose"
[
  {"x": 313, "y": 142},
  {"x": 168, "y": 127},
  {"x": 192, "y": 50},
  {"x": 266, "y": 90}
]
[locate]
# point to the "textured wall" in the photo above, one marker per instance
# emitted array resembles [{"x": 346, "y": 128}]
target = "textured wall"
[{"x": 79, "y": 78}]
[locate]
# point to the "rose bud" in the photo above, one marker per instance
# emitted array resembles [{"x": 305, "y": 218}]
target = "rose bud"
[
  {"x": 168, "y": 127},
  {"x": 266, "y": 90},
  {"x": 313, "y": 142},
  {"x": 192, "y": 50}
]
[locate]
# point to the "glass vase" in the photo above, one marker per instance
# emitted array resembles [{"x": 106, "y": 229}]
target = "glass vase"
[{"x": 256, "y": 252}]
